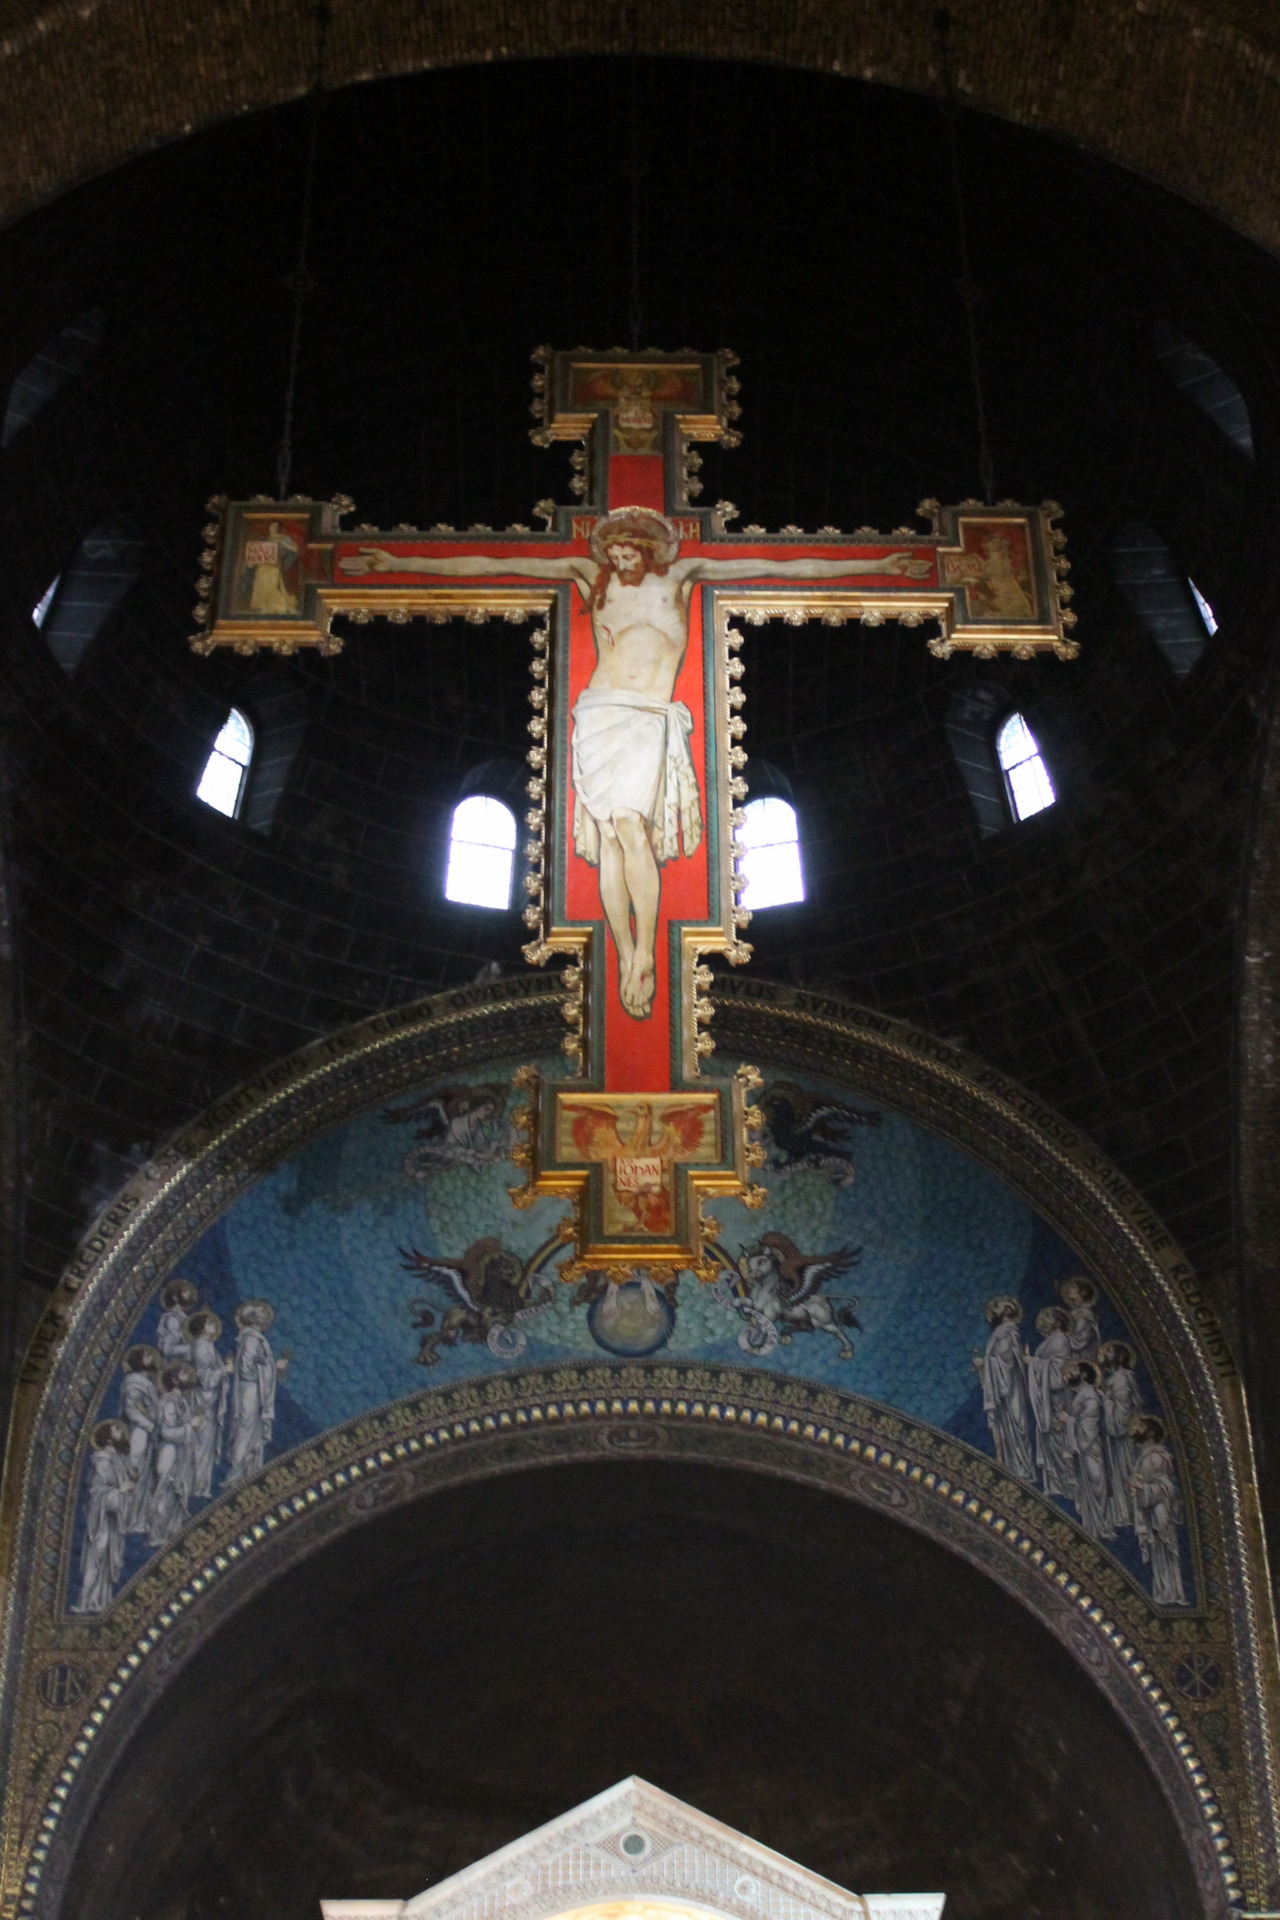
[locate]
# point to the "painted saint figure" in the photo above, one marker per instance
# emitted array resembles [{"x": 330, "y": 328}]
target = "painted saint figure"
[
  {"x": 1003, "y": 1369},
  {"x": 1121, "y": 1405},
  {"x": 1051, "y": 1400},
  {"x": 106, "y": 1518},
  {"x": 637, "y": 798},
  {"x": 140, "y": 1411},
  {"x": 270, "y": 561},
  {"x": 254, "y": 1374},
  {"x": 174, "y": 1454},
  {"x": 1000, "y": 588},
  {"x": 1157, "y": 1510},
  {"x": 208, "y": 1398},
  {"x": 1082, "y": 1432}
]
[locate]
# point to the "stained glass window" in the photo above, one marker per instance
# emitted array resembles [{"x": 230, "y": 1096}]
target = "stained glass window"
[
  {"x": 226, "y": 769},
  {"x": 771, "y": 862},
  {"x": 1025, "y": 775},
  {"x": 482, "y": 852}
]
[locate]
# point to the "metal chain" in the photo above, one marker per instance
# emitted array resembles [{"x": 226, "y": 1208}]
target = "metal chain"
[
  {"x": 966, "y": 286},
  {"x": 300, "y": 282}
]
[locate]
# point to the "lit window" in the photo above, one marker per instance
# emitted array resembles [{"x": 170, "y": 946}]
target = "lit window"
[
  {"x": 222, "y": 782},
  {"x": 771, "y": 863},
  {"x": 43, "y": 604},
  {"x": 1025, "y": 774},
  {"x": 1204, "y": 609},
  {"x": 482, "y": 853}
]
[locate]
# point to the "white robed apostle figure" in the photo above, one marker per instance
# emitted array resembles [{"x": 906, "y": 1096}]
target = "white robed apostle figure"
[
  {"x": 140, "y": 1411},
  {"x": 1051, "y": 1399},
  {"x": 106, "y": 1516},
  {"x": 1005, "y": 1398},
  {"x": 637, "y": 801},
  {"x": 1157, "y": 1510},
  {"x": 208, "y": 1397},
  {"x": 1121, "y": 1406},
  {"x": 175, "y": 1454},
  {"x": 254, "y": 1374}
]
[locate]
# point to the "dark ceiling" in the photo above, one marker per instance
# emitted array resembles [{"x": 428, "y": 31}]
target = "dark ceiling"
[
  {"x": 793, "y": 1664},
  {"x": 460, "y": 219}
]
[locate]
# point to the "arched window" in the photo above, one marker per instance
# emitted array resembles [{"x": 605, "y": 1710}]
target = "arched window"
[
  {"x": 104, "y": 568},
  {"x": 1205, "y": 384},
  {"x": 771, "y": 863},
  {"x": 1174, "y": 612},
  {"x": 1026, "y": 777},
  {"x": 48, "y": 371},
  {"x": 972, "y": 712},
  {"x": 482, "y": 853},
  {"x": 227, "y": 768}
]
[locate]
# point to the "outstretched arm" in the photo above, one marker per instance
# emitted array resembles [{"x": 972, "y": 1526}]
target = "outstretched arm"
[
  {"x": 470, "y": 566},
  {"x": 902, "y": 561}
]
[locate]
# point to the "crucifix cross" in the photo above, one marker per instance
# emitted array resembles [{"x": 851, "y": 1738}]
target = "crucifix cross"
[{"x": 637, "y": 785}]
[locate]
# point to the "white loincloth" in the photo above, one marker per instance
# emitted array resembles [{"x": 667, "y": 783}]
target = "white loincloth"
[{"x": 631, "y": 754}]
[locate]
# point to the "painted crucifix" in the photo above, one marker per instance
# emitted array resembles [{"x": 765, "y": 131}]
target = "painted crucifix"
[
  {"x": 637, "y": 765},
  {"x": 637, "y": 793}
]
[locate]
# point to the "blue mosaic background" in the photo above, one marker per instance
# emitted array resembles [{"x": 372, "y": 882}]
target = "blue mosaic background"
[{"x": 323, "y": 1239}]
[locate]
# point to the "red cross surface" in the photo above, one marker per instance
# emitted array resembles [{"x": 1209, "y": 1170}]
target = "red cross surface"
[{"x": 636, "y": 784}]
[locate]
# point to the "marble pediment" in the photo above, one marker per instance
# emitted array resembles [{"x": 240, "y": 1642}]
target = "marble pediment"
[{"x": 636, "y": 1853}]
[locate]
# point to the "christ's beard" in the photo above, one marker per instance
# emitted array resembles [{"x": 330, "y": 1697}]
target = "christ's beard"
[{"x": 630, "y": 576}]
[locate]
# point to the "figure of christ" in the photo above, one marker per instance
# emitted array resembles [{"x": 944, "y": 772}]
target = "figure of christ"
[{"x": 637, "y": 796}]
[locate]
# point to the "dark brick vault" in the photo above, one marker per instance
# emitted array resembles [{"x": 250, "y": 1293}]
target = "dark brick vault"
[{"x": 159, "y": 953}]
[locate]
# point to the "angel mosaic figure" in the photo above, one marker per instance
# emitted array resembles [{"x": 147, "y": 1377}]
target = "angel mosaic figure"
[
  {"x": 458, "y": 1126},
  {"x": 637, "y": 799},
  {"x": 107, "y": 1516}
]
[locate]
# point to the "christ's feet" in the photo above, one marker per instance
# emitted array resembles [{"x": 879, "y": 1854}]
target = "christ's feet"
[{"x": 636, "y": 983}]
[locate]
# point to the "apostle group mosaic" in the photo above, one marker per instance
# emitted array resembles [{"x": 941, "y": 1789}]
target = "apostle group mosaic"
[{"x": 386, "y": 1256}]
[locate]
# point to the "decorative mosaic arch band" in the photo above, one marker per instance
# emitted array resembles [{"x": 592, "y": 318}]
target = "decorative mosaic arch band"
[{"x": 1190, "y": 1672}]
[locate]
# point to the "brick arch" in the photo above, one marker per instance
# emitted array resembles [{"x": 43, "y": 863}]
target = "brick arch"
[
  {"x": 553, "y": 1420},
  {"x": 1186, "y": 92}
]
